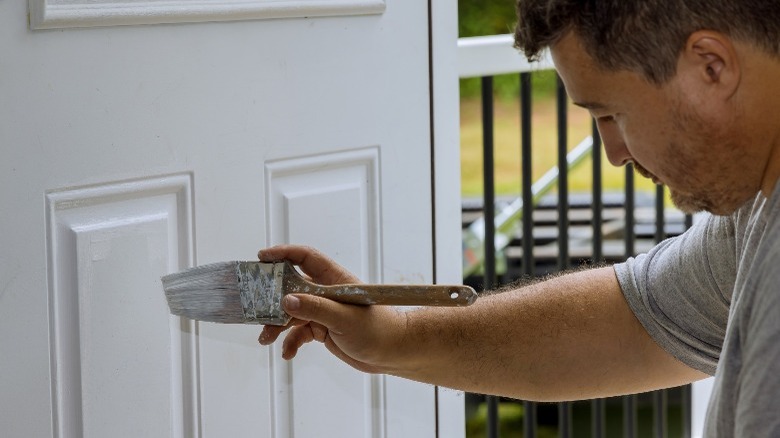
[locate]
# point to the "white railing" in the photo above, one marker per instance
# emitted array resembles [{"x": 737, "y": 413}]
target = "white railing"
[{"x": 494, "y": 55}]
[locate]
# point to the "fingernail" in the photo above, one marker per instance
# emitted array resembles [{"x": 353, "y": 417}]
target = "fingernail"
[
  {"x": 263, "y": 338},
  {"x": 292, "y": 302}
]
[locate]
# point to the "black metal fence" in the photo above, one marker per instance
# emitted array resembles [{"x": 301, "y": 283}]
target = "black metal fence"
[{"x": 659, "y": 414}]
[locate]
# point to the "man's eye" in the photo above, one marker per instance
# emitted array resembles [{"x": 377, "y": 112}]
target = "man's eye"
[{"x": 605, "y": 118}]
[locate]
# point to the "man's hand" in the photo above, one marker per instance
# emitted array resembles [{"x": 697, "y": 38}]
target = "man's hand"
[{"x": 361, "y": 336}]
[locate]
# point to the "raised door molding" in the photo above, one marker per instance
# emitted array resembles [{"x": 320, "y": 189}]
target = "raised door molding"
[
  {"x": 49, "y": 14},
  {"x": 119, "y": 361}
]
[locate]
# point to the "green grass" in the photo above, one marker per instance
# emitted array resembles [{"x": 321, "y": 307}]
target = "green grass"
[
  {"x": 511, "y": 418},
  {"x": 510, "y": 423},
  {"x": 544, "y": 155}
]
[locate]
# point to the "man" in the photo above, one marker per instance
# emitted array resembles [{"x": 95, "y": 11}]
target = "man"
[{"x": 689, "y": 91}]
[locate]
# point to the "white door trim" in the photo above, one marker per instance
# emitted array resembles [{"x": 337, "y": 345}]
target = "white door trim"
[
  {"x": 450, "y": 409},
  {"x": 48, "y": 14}
]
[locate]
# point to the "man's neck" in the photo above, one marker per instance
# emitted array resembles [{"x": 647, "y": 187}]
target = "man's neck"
[
  {"x": 772, "y": 171},
  {"x": 763, "y": 124}
]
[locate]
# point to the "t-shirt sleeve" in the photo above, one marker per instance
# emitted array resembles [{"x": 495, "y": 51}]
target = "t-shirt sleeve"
[{"x": 681, "y": 290}]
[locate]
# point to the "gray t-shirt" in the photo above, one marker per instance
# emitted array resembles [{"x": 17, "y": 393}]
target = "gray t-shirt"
[{"x": 711, "y": 298}]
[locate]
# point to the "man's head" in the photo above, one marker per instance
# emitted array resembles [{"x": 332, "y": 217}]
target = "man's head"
[{"x": 672, "y": 84}]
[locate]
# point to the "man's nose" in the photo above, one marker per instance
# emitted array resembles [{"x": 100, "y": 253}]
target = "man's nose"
[{"x": 614, "y": 145}]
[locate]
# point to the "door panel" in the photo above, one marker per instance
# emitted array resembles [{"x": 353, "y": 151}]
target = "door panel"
[
  {"x": 108, "y": 246},
  {"x": 129, "y": 152},
  {"x": 328, "y": 201}
]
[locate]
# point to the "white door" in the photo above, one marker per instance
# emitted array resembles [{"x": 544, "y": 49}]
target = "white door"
[{"x": 139, "y": 138}]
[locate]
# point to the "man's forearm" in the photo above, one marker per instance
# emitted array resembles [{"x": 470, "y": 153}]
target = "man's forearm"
[{"x": 571, "y": 337}]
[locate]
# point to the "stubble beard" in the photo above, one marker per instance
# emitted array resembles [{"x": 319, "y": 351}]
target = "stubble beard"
[
  {"x": 686, "y": 202},
  {"x": 707, "y": 167},
  {"x": 706, "y": 184}
]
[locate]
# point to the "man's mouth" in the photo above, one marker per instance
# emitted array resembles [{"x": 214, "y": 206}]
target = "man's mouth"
[{"x": 646, "y": 173}]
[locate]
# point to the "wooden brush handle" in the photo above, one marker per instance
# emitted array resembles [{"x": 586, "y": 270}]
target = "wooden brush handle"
[
  {"x": 387, "y": 294},
  {"x": 398, "y": 294}
]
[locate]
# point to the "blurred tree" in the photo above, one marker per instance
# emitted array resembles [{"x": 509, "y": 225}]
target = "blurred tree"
[{"x": 485, "y": 17}]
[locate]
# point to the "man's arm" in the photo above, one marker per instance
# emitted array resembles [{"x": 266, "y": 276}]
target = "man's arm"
[{"x": 571, "y": 337}]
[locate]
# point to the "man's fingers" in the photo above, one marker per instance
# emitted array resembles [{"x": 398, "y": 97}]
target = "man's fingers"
[
  {"x": 295, "y": 339},
  {"x": 314, "y": 314},
  {"x": 313, "y": 263},
  {"x": 319, "y": 331},
  {"x": 332, "y": 323},
  {"x": 329, "y": 314},
  {"x": 271, "y": 332}
]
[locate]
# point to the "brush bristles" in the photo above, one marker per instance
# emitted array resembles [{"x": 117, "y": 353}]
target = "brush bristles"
[{"x": 206, "y": 293}]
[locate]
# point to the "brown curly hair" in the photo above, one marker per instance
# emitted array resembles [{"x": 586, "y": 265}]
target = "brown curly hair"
[{"x": 646, "y": 36}]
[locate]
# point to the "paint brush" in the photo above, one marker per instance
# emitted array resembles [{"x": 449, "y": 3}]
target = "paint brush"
[{"x": 251, "y": 292}]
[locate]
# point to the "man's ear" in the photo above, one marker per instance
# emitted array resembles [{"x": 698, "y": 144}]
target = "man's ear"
[{"x": 710, "y": 63}]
